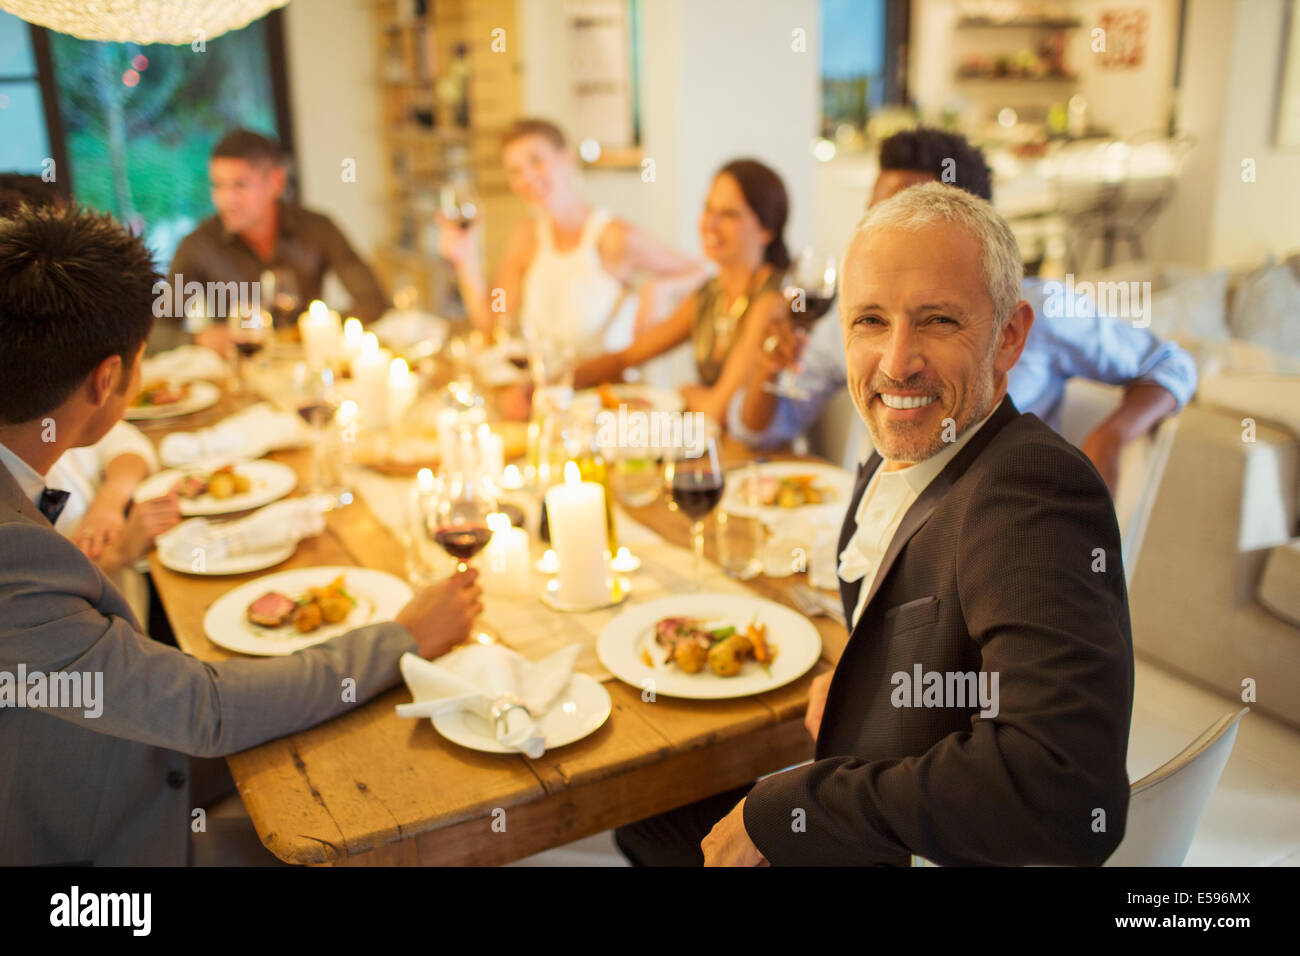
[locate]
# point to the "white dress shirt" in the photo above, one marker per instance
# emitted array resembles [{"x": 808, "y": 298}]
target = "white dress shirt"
[
  {"x": 885, "y": 501},
  {"x": 29, "y": 479},
  {"x": 80, "y": 471}
]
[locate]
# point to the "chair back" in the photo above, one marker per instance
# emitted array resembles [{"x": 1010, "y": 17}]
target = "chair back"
[{"x": 1165, "y": 807}]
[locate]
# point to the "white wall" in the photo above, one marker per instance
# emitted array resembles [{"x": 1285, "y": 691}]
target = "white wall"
[
  {"x": 719, "y": 81},
  {"x": 1227, "y": 102},
  {"x": 331, "y": 51}
]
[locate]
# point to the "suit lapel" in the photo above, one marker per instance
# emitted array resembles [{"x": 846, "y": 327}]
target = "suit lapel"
[{"x": 924, "y": 506}]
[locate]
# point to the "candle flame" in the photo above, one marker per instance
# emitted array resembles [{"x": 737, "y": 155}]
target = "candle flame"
[
  {"x": 348, "y": 409},
  {"x": 511, "y": 477},
  {"x": 369, "y": 344},
  {"x": 498, "y": 522},
  {"x": 398, "y": 370},
  {"x": 424, "y": 478},
  {"x": 352, "y": 329},
  {"x": 572, "y": 476},
  {"x": 318, "y": 310}
]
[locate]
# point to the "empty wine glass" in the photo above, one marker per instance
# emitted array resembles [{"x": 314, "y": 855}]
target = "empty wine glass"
[
  {"x": 809, "y": 291},
  {"x": 695, "y": 481}
]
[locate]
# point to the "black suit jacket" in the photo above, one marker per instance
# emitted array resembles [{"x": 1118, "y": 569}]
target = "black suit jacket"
[{"x": 1008, "y": 563}]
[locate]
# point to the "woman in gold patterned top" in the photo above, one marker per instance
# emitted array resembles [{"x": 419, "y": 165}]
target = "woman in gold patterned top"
[{"x": 741, "y": 232}]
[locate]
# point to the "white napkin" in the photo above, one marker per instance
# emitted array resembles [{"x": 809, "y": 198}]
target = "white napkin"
[
  {"x": 247, "y": 434},
  {"x": 805, "y": 540},
  {"x": 475, "y": 678},
  {"x": 188, "y": 363},
  {"x": 277, "y": 525}
]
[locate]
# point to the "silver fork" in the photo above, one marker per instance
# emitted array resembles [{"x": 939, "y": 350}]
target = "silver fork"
[{"x": 811, "y": 603}]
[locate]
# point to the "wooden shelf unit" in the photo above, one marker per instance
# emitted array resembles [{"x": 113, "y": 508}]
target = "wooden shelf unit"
[{"x": 425, "y": 50}]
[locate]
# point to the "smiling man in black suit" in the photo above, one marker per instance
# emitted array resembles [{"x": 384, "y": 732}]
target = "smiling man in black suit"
[{"x": 980, "y": 711}]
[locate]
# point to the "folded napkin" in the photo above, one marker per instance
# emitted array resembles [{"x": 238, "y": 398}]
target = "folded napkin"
[
  {"x": 507, "y": 690},
  {"x": 278, "y": 525},
  {"x": 247, "y": 434},
  {"x": 188, "y": 363},
  {"x": 805, "y": 540}
]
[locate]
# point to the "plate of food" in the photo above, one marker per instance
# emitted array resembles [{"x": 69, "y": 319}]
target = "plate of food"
[
  {"x": 784, "y": 487},
  {"x": 709, "y": 646},
  {"x": 287, "y": 611},
  {"x": 224, "y": 490},
  {"x": 636, "y": 398},
  {"x": 581, "y": 710},
  {"x": 161, "y": 399}
]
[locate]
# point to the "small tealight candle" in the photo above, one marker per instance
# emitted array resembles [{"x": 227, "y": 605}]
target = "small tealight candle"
[
  {"x": 370, "y": 372},
  {"x": 424, "y": 481},
  {"x": 625, "y": 562},
  {"x": 505, "y": 564},
  {"x": 576, "y": 518},
  {"x": 548, "y": 563},
  {"x": 402, "y": 387},
  {"x": 512, "y": 478},
  {"x": 320, "y": 332}
]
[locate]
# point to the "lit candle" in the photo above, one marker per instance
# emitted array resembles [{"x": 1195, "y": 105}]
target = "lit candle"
[
  {"x": 625, "y": 562},
  {"x": 370, "y": 372},
  {"x": 576, "y": 517},
  {"x": 351, "y": 345},
  {"x": 402, "y": 387},
  {"x": 511, "y": 478},
  {"x": 548, "y": 563},
  {"x": 506, "y": 569},
  {"x": 492, "y": 452},
  {"x": 320, "y": 332}
]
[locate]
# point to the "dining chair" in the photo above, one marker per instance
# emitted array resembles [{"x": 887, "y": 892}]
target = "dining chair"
[{"x": 1165, "y": 807}]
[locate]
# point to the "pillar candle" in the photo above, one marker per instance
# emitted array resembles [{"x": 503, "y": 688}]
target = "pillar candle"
[
  {"x": 492, "y": 452},
  {"x": 350, "y": 345},
  {"x": 370, "y": 372},
  {"x": 320, "y": 332},
  {"x": 506, "y": 559},
  {"x": 576, "y": 513},
  {"x": 402, "y": 386}
]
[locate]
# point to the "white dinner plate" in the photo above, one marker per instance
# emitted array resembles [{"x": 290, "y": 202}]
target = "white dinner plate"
[
  {"x": 836, "y": 483},
  {"x": 379, "y": 596},
  {"x": 624, "y": 639},
  {"x": 209, "y": 566},
  {"x": 202, "y": 395},
  {"x": 581, "y": 710},
  {"x": 270, "y": 481}
]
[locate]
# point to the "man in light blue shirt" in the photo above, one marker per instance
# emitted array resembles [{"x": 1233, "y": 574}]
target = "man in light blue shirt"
[{"x": 1068, "y": 337}]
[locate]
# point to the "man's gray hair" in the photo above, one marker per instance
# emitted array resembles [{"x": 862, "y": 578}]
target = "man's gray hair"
[{"x": 931, "y": 204}]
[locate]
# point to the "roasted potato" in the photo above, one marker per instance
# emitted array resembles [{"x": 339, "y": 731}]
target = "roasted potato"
[
  {"x": 334, "y": 608},
  {"x": 242, "y": 485},
  {"x": 690, "y": 656},
  {"x": 307, "y": 618},
  {"x": 725, "y": 657},
  {"x": 221, "y": 485}
]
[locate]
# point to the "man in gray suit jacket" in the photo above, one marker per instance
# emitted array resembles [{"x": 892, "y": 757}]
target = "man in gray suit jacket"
[
  {"x": 979, "y": 714},
  {"x": 96, "y": 719}
]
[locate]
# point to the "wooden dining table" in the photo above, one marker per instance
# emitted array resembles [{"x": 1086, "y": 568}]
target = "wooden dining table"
[{"x": 372, "y": 788}]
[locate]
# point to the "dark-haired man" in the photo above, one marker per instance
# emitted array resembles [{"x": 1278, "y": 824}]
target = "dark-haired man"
[
  {"x": 256, "y": 230},
  {"x": 19, "y": 188},
  {"x": 1067, "y": 341},
  {"x": 97, "y": 720}
]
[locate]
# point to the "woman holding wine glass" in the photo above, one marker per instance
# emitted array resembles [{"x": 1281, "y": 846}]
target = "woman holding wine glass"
[
  {"x": 567, "y": 269},
  {"x": 742, "y": 232}
]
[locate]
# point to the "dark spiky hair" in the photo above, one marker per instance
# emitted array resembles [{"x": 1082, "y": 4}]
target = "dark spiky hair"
[
  {"x": 75, "y": 288},
  {"x": 925, "y": 150}
]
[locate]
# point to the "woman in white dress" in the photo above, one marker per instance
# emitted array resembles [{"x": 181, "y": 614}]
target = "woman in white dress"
[
  {"x": 100, "y": 480},
  {"x": 568, "y": 269}
]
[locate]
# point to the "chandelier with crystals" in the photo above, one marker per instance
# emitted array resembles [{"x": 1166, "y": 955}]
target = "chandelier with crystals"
[{"x": 142, "y": 21}]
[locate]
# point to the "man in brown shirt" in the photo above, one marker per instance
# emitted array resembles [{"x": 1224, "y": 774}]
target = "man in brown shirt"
[{"x": 256, "y": 231}]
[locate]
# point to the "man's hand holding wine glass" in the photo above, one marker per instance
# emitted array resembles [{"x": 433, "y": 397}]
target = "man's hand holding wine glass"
[{"x": 440, "y": 616}]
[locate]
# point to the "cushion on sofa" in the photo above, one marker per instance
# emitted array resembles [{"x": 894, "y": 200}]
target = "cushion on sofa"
[
  {"x": 1266, "y": 310},
  {"x": 1279, "y": 585}
]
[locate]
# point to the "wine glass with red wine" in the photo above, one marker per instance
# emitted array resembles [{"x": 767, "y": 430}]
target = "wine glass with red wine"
[
  {"x": 809, "y": 292},
  {"x": 695, "y": 481},
  {"x": 458, "y": 522},
  {"x": 249, "y": 333}
]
